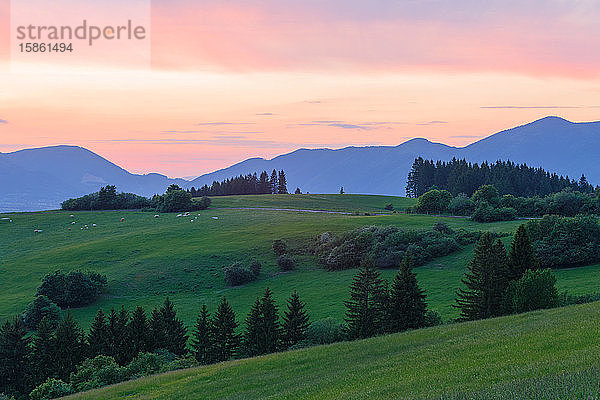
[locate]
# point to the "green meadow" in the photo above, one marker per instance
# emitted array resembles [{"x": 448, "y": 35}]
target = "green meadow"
[
  {"x": 147, "y": 258},
  {"x": 549, "y": 354}
]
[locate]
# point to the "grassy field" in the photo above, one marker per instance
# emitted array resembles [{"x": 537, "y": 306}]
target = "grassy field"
[
  {"x": 147, "y": 259},
  {"x": 331, "y": 202},
  {"x": 543, "y": 354}
]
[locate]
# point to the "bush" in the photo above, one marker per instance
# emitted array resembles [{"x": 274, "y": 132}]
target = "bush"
[
  {"x": 175, "y": 201},
  {"x": 179, "y": 363},
  {"x": 39, "y": 308},
  {"x": 486, "y": 213},
  {"x": 535, "y": 290},
  {"x": 203, "y": 203},
  {"x": 51, "y": 389},
  {"x": 325, "y": 331},
  {"x": 279, "y": 247},
  {"x": 97, "y": 372},
  {"x": 461, "y": 205},
  {"x": 107, "y": 199},
  {"x": 442, "y": 228},
  {"x": 286, "y": 262},
  {"x": 75, "y": 289},
  {"x": 145, "y": 364},
  {"x": 434, "y": 201},
  {"x": 236, "y": 274},
  {"x": 433, "y": 318},
  {"x": 255, "y": 267}
]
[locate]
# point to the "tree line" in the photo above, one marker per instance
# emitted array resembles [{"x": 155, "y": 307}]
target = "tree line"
[
  {"x": 460, "y": 176},
  {"x": 276, "y": 183}
]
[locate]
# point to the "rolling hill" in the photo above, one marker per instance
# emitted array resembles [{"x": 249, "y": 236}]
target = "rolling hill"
[
  {"x": 38, "y": 179},
  {"x": 550, "y": 354}
]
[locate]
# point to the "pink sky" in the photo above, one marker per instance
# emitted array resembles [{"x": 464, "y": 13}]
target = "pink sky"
[{"x": 238, "y": 79}]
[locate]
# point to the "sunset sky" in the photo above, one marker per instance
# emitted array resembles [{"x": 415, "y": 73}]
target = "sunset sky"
[{"x": 236, "y": 79}]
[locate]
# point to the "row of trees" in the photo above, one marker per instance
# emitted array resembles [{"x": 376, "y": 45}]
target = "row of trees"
[
  {"x": 107, "y": 198},
  {"x": 276, "y": 183},
  {"x": 487, "y": 205},
  {"x": 460, "y": 176},
  {"x": 498, "y": 283}
]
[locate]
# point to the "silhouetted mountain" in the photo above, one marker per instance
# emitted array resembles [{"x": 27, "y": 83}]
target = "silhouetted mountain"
[
  {"x": 552, "y": 143},
  {"x": 38, "y": 179}
]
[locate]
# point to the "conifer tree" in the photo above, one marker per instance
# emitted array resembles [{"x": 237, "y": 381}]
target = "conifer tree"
[
  {"x": 202, "y": 338},
  {"x": 223, "y": 326},
  {"x": 407, "y": 307},
  {"x": 14, "y": 358},
  {"x": 273, "y": 182},
  {"x": 139, "y": 332},
  {"x": 485, "y": 281},
  {"x": 69, "y": 346},
  {"x": 365, "y": 311},
  {"x": 118, "y": 334},
  {"x": 521, "y": 256},
  {"x": 175, "y": 332},
  {"x": 282, "y": 183},
  {"x": 295, "y": 321},
  {"x": 42, "y": 351},
  {"x": 98, "y": 337},
  {"x": 252, "y": 333},
  {"x": 157, "y": 330}
]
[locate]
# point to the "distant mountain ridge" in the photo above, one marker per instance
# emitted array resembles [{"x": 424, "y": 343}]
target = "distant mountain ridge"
[{"x": 37, "y": 179}]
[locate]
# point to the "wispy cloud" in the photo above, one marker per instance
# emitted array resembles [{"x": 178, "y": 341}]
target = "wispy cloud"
[
  {"x": 349, "y": 126},
  {"x": 265, "y": 114},
  {"x": 224, "y": 123},
  {"x": 432, "y": 123},
  {"x": 3, "y": 121}
]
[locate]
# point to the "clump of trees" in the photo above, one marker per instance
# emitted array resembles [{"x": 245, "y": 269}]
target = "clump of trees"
[
  {"x": 276, "y": 183},
  {"x": 565, "y": 242},
  {"x": 460, "y": 176},
  {"x": 386, "y": 246},
  {"x": 498, "y": 283},
  {"x": 487, "y": 205},
  {"x": 373, "y": 309},
  {"x": 176, "y": 199},
  {"x": 107, "y": 198},
  {"x": 75, "y": 289}
]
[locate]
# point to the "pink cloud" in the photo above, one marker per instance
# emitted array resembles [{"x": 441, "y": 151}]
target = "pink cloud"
[{"x": 244, "y": 37}]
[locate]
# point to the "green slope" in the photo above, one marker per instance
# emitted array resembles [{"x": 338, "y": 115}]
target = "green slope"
[
  {"x": 523, "y": 356},
  {"x": 147, "y": 259}
]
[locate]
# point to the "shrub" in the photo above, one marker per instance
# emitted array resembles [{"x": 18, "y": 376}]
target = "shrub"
[
  {"x": 39, "y": 308},
  {"x": 433, "y": 318},
  {"x": 97, "y": 372},
  {"x": 51, "y": 389},
  {"x": 325, "y": 331},
  {"x": 286, "y": 262},
  {"x": 179, "y": 363},
  {"x": 174, "y": 201},
  {"x": 535, "y": 290},
  {"x": 145, "y": 364},
  {"x": 75, "y": 289},
  {"x": 203, "y": 203},
  {"x": 255, "y": 267},
  {"x": 279, "y": 247},
  {"x": 442, "y": 228},
  {"x": 236, "y": 274},
  {"x": 461, "y": 205},
  {"x": 434, "y": 201}
]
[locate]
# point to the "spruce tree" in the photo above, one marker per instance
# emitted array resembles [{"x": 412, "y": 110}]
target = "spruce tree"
[
  {"x": 295, "y": 321},
  {"x": 118, "y": 334},
  {"x": 406, "y": 307},
  {"x": 69, "y": 347},
  {"x": 14, "y": 358},
  {"x": 202, "y": 338},
  {"x": 42, "y": 352},
  {"x": 521, "y": 256},
  {"x": 223, "y": 326},
  {"x": 282, "y": 183},
  {"x": 252, "y": 333},
  {"x": 365, "y": 311},
  {"x": 157, "y": 330},
  {"x": 485, "y": 281},
  {"x": 273, "y": 182},
  {"x": 139, "y": 332},
  {"x": 174, "y": 329},
  {"x": 98, "y": 337}
]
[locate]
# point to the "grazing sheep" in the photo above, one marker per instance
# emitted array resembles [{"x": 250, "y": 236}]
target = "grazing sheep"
[
  {"x": 156, "y": 216},
  {"x": 72, "y": 216},
  {"x": 37, "y": 231},
  {"x": 191, "y": 220},
  {"x": 69, "y": 228},
  {"x": 179, "y": 215},
  {"x": 94, "y": 225},
  {"x": 215, "y": 217},
  {"x": 73, "y": 223},
  {"x": 122, "y": 219},
  {"x": 85, "y": 226}
]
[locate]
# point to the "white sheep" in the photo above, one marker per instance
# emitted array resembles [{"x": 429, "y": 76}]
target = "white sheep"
[
  {"x": 72, "y": 216},
  {"x": 156, "y": 216},
  {"x": 94, "y": 225},
  {"x": 73, "y": 223},
  {"x": 215, "y": 217}
]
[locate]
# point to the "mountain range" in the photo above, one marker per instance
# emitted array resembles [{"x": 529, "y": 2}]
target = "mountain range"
[{"x": 38, "y": 179}]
